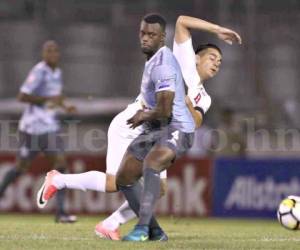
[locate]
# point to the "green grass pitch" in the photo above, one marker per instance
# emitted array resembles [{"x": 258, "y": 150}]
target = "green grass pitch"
[{"x": 39, "y": 232}]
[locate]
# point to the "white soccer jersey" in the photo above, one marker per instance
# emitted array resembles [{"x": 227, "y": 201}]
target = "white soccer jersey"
[
  {"x": 41, "y": 81},
  {"x": 185, "y": 56},
  {"x": 200, "y": 99}
]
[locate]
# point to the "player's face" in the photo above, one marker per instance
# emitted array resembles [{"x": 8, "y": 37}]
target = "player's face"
[
  {"x": 151, "y": 37},
  {"x": 51, "y": 54},
  {"x": 208, "y": 63}
]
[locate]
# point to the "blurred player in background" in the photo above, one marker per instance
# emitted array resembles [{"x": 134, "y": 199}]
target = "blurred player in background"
[
  {"x": 120, "y": 135},
  {"x": 39, "y": 126}
]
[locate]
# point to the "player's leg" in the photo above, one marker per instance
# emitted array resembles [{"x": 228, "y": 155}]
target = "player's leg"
[
  {"x": 158, "y": 159},
  {"x": 149, "y": 193},
  {"x": 96, "y": 180},
  {"x": 120, "y": 135},
  {"x": 11, "y": 175},
  {"x": 58, "y": 162},
  {"x": 58, "y": 181},
  {"x": 53, "y": 148},
  {"x": 169, "y": 143},
  {"x": 124, "y": 213},
  {"x": 128, "y": 174},
  {"x": 127, "y": 180},
  {"x": 91, "y": 180},
  {"x": 55, "y": 181},
  {"x": 28, "y": 149},
  {"x": 118, "y": 140},
  {"x": 147, "y": 227}
]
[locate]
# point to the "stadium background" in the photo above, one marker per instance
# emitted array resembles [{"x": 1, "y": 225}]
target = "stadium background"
[{"x": 245, "y": 158}]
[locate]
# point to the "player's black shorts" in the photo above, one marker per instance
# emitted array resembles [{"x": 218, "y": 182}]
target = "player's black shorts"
[
  {"x": 174, "y": 139},
  {"x": 30, "y": 145}
]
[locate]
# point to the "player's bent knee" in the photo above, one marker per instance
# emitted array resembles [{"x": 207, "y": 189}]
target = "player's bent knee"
[
  {"x": 158, "y": 164},
  {"x": 126, "y": 178},
  {"x": 130, "y": 170},
  {"x": 122, "y": 179},
  {"x": 160, "y": 158}
]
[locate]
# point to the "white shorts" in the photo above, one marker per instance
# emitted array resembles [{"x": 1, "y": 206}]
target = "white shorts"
[{"x": 119, "y": 138}]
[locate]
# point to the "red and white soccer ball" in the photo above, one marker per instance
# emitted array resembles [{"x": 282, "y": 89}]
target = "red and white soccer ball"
[{"x": 288, "y": 212}]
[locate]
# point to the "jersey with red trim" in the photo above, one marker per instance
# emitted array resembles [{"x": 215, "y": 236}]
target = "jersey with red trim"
[
  {"x": 200, "y": 99},
  {"x": 185, "y": 56}
]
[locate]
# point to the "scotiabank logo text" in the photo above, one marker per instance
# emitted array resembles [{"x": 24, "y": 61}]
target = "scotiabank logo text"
[{"x": 185, "y": 194}]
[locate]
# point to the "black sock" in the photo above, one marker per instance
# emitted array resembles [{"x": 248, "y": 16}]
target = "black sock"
[
  {"x": 60, "y": 201},
  {"x": 10, "y": 176},
  {"x": 149, "y": 196},
  {"x": 133, "y": 196},
  {"x": 60, "y": 198}
]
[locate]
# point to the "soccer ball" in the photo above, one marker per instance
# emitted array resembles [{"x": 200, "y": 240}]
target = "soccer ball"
[{"x": 288, "y": 212}]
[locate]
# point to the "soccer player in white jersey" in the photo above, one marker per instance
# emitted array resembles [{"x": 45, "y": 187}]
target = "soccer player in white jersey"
[
  {"x": 39, "y": 127},
  {"x": 201, "y": 65},
  {"x": 120, "y": 135}
]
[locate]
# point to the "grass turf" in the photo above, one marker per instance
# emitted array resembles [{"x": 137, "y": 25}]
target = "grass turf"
[{"x": 39, "y": 232}]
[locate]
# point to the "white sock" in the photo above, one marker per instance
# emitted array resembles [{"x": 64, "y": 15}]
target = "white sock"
[
  {"x": 92, "y": 180},
  {"x": 122, "y": 215}
]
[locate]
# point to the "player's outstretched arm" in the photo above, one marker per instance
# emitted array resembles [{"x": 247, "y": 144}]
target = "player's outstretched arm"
[{"x": 185, "y": 23}]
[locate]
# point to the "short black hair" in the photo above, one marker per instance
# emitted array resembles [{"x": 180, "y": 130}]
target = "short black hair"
[
  {"x": 156, "y": 18},
  {"x": 207, "y": 46}
]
